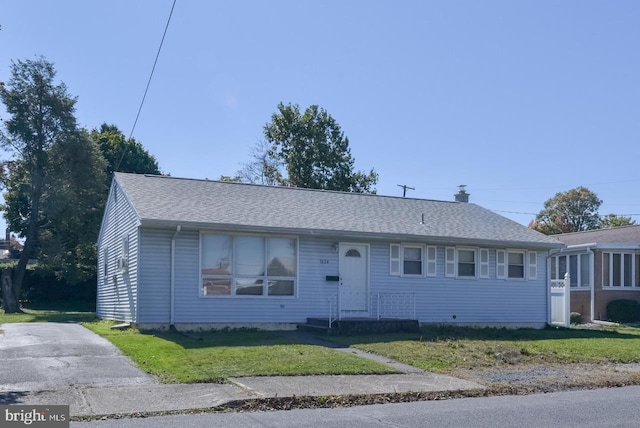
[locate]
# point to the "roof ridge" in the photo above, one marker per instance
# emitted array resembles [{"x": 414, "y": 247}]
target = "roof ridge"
[{"x": 206, "y": 180}]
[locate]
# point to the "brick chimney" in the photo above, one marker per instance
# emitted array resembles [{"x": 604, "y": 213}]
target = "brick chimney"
[{"x": 462, "y": 195}]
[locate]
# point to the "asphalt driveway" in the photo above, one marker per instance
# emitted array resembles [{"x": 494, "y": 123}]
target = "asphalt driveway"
[{"x": 48, "y": 356}]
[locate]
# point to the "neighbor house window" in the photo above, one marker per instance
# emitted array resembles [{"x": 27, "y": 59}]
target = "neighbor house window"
[
  {"x": 412, "y": 260},
  {"x": 578, "y": 266},
  {"x": 248, "y": 265},
  {"x": 620, "y": 269}
]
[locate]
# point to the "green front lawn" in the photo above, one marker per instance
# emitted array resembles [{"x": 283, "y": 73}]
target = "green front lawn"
[
  {"x": 214, "y": 356},
  {"x": 443, "y": 349},
  {"x": 49, "y": 315}
]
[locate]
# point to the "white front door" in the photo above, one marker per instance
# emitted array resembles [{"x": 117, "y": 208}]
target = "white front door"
[{"x": 354, "y": 277}]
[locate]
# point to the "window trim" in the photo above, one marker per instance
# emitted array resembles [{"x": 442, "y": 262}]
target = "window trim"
[
  {"x": 633, "y": 273},
  {"x": 452, "y": 262},
  {"x": 233, "y": 276},
  {"x": 530, "y": 270},
  {"x": 425, "y": 261},
  {"x": 525, "y": 265}
]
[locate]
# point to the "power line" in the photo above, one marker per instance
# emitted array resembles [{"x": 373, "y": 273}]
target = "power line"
[
  {"x": 149, "y": 81},
  {"x": 404, "y": 189}
]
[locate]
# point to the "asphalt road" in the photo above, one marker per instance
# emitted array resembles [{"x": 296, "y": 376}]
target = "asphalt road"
[
  {"x": 46, "y": 356},
  {"x": 618, "y": 407}
]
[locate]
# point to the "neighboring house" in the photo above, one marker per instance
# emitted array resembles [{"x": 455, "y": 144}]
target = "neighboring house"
[
  {"x": 603, "y": 265},
  {"x": 200, "y": 253}
]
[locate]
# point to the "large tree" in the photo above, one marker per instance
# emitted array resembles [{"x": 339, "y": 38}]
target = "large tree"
[
  {"x": 575, "y": 210},
  {"x": 313, "y": 150},
  {"x": 263, "y": 168},
  {"x": 614, "y": 220},
  {"x": 41, "y": 116},
  {"x": 72, "y": 209},
  {"x": 123, "y": 154}
]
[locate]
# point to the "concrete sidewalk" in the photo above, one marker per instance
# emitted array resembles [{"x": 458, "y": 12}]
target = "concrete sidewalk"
[{"x": 109, "y": 400}]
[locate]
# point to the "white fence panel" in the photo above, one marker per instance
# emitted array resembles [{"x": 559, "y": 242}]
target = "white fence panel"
[{"x": 560, "y": 294}]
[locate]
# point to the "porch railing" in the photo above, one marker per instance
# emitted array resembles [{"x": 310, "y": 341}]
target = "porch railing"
[{"x": 334, "y": 309}]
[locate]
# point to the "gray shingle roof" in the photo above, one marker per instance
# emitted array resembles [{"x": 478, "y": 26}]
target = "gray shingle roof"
[
  {"x": 617, "y": 235},
  {"x": 161, "y": 200}
]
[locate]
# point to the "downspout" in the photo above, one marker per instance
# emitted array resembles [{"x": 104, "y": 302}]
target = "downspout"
[
  {"x": 173, "y": 276},
  {"x": 592, "y": 281},
  {"x": 548, "y": 281}
]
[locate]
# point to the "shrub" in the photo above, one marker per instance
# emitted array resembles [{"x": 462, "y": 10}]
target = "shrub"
[
  {"x": 575, "y": 317},
  {"x": 623, "y": 310}
]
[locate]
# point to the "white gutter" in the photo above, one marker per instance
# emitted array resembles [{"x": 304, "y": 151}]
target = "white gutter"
[{"x": 173, "y": 273}]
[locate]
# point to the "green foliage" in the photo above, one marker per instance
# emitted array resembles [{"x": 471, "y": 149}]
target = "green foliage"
[
  {"x": 612, "y": 220},
  {"x": 58, "y": 178},
  {"x": 121, "y": 154},
  {"x": 623, "y": 311},
  {"x": 41, "y": 116},
  {"x": 72, "y": 209},
  {"x": 314, "y": 151},
  {"x": 575, "y": 210},
  {"x": 575, "y": 318}
]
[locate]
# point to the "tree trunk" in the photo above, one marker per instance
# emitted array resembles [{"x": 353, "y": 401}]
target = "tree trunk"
[
  {"x": 32, "y": 233},
  {"x": 9, "y": 300}
]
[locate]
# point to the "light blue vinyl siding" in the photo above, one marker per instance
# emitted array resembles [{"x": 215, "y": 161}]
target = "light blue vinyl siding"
[
  {"x": 117, "y": 296},
  {"x": 438, "y": 298},
  {"x": 312, "y": 289},
  {"x": 155, "y": 276},
  {"x": 490, "y": 300}
]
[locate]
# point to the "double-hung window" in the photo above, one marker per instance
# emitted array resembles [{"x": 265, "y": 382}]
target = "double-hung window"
[
  {"x": 516, "y": 264},
  {"x": 247, "y": 265},
  {"x": 412, "y": 260},
  {"x": 467, "y": 263}
]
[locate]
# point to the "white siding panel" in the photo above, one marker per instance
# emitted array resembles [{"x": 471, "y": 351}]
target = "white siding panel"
[{"x": 117, "y": 293}]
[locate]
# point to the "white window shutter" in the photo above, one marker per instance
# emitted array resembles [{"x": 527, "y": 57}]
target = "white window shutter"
[
  {"x": 394, "y": 259},
  {"x": 533, "y": 265},
  {"x": 432, "y": 265},
  {"x": 450, "y": 261},
  {"x": 501, "y": 266},
  {"x": 484, "y": 263}
]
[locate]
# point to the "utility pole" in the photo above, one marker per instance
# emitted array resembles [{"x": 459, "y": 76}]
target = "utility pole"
[{"x": 404, "y": 189}]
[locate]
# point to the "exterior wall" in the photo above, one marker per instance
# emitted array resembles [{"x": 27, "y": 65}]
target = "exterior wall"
[
  {"x": 450, "y": 300},
  {"x": 581, "y": 302},
  {"x": 154, "y": 281},
  {"x": 117, "y": 288},
  {"x": 311, "y": 299},
  {"x": 437, "y": 299}
]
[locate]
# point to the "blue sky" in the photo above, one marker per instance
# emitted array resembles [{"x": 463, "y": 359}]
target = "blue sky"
[{"x": 518, "y": 100}]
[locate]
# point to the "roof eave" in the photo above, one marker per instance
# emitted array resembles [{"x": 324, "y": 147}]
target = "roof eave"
[{"x": 445, "y": 240}]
